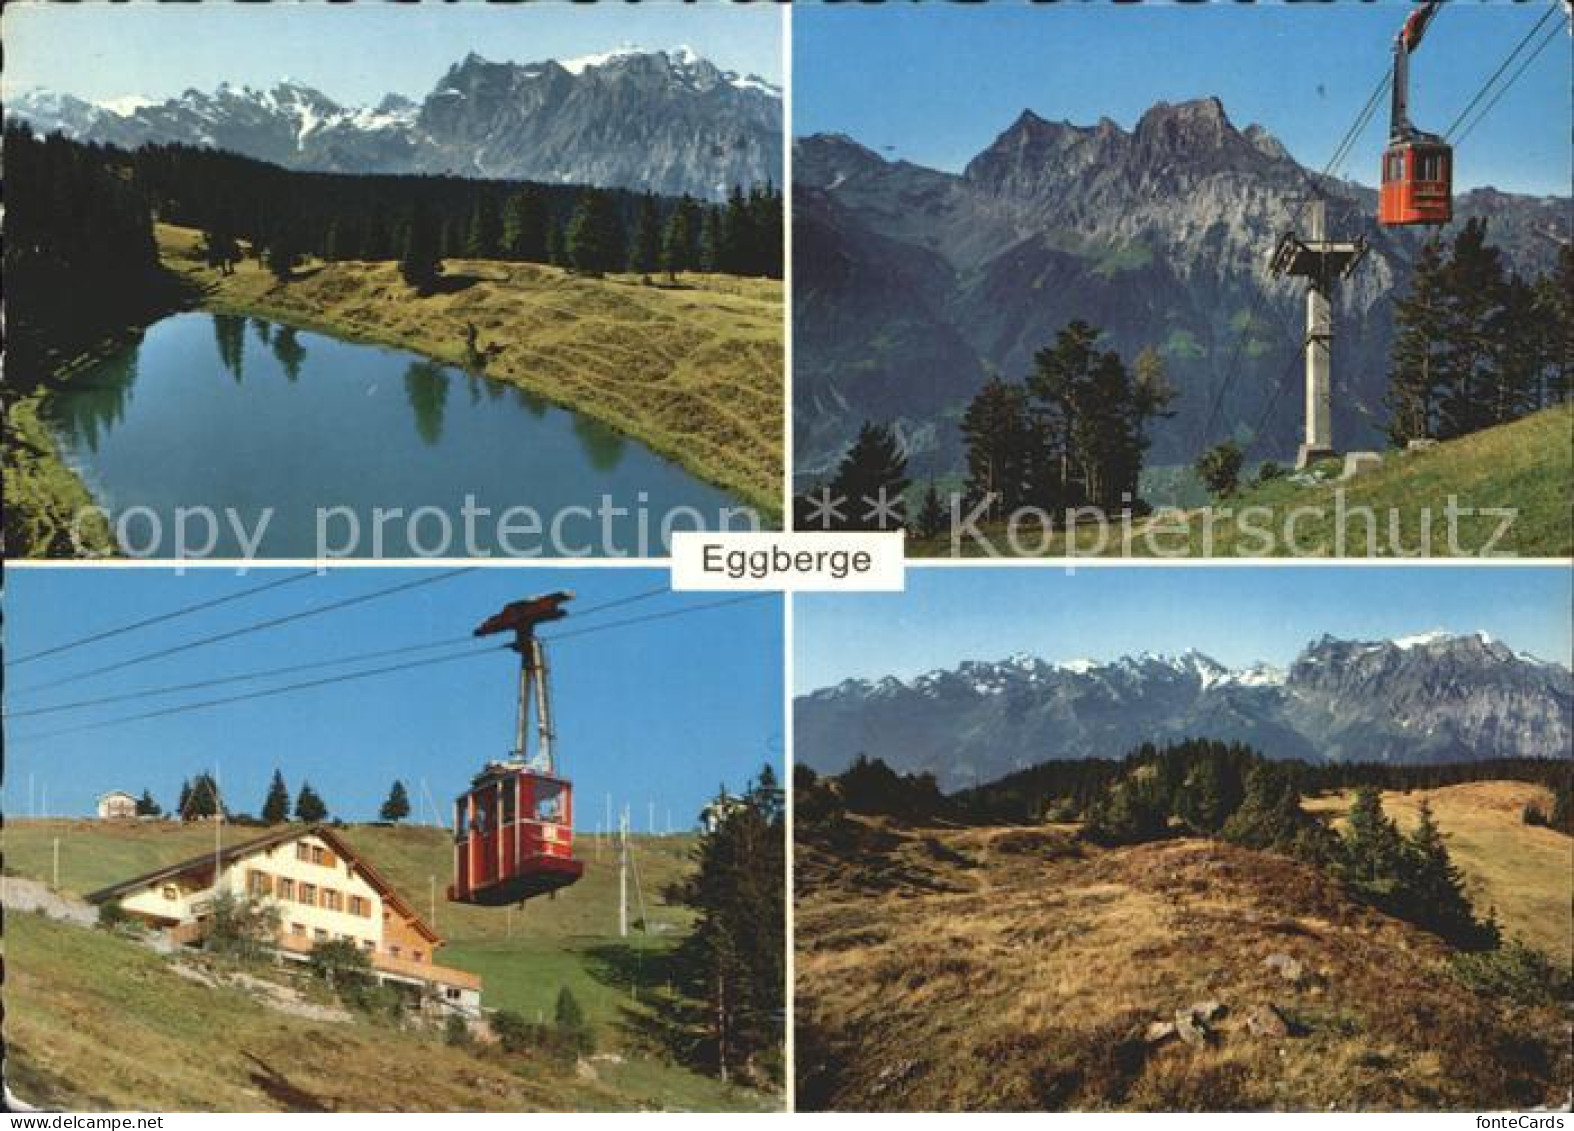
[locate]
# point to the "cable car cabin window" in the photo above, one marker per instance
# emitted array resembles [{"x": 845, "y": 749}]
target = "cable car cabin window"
[
  {"x": 509, "y": 797},
  {"x": 462, "y": 823},
  {"x": 1396, "y": 167},
  {"x": 483, "y": 807},
  {"x": 1429, "y": 167},
  {"x": 549, "y": 802}
]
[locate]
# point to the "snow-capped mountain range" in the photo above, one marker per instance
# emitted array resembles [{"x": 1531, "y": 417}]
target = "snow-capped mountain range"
[
  {"x": 1432, "y": 697},
  {"x": 668, "y": 121}
]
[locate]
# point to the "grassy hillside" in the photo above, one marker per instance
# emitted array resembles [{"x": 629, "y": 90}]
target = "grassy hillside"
[
  {"x": 525, "y": 957},
  {"x": 1527, "y": 466},
  {"x": 42, "y": 495},
  {"x": 1015, "y": 968},
  {"x": 692, "y": 370},
  {"x": 1521, "y": 871}
]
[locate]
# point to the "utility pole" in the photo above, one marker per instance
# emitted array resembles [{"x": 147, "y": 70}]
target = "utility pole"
[
  {"x": 218, "y": 829},
  {"x": 650, "y": 819},
  {"x": 1322, "y": 263},
  {"x": 57, "y": 864},
  {"x": 623, "y": 876},
  {"x": 432, "y": 901}
]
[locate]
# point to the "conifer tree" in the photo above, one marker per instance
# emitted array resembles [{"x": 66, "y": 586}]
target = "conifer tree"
[
  {"x": 1433, "y": 890},
  {"x": 645, "y": 248},
  {"x": 309, "y": 807},
  {"x": 419, "y": 261},
  {"x": 1415, "y": 375},
  {"x": 283, "y": 254},
  {"x": 525, "y": 226},
  {"x": 276, "y": 805},
  {"x": 873, "y": 475},
  {"x": 734, "y": 962},
  {"x": 931, "y": 517},
  {"x": 595, "y": 239},
  {"x": 484, "y": 232},
  {"x": 146, "y": 806},
  {"x": 677, "y": 248},
  {"x": 1372, "y": 855},
  {"x": 1002, "y": 448},
  {"x": 397, "y": 807}
]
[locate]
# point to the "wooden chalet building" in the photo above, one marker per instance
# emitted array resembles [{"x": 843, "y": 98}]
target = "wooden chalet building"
[{"x": 324, "y": 890}]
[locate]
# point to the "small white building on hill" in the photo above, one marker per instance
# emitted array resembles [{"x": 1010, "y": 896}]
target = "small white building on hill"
[{"x": 116, "y": 805}]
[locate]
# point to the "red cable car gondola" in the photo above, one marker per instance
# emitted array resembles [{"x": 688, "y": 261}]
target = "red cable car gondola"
[
  {"x": 1418, "y": 167},
  {"x": 514, "y": 827}
]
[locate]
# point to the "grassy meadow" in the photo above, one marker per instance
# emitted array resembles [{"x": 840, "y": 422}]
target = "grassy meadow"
[
  {"x": 692, "y": 369},
  {"x": 925, "y": 952},
  {"x": 71, "y": 993}
]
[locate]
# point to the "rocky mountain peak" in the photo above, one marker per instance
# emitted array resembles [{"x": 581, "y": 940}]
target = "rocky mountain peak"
[
  {"x": 1432, "y": 697},
  {"x": 670, "y": 122}
]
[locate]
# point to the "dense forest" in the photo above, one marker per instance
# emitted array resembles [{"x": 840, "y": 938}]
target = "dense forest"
[
  {"x": 1066, "y": 789},
  {"x": 81, "y": 261},
  {"x": 339, "y": 217}
]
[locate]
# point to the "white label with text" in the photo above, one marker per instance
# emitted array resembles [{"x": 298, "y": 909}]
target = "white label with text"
[{"x": 793, "y": 562}]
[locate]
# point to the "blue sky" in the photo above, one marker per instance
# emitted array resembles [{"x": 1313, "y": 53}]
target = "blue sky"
[
  {"x": 355, "y": 53},
  {"x": 936, "y": 83},
  {"x": 1236, "y": 615},
  {"x": 661, "y": 712}
]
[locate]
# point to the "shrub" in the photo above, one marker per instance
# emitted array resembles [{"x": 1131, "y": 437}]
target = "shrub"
[
  {"x": 1220, "y": 468},
  {"x": 573, "y": 1031},
  {"x": 243, "y": 929},
  {"x": 339, "y": 962},
  {"x": 112, "y": 916},
  {"x": 513, "y": 1032},
  {"x": 456, "y": 1031},
  {"x": 346, "y": 968},
  {"x": 1514, "y": 972}
]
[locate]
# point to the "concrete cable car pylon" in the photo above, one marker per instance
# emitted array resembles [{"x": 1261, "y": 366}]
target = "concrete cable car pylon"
[{"x": 1322, "y": 262}]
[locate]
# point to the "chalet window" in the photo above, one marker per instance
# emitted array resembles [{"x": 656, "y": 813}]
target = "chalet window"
[
  {"x": 418, "y": 956},
  {"x": 319, "y": 934},
  {"x": 286, "y": 888},
  {"x": 259, "y": 883},
  {"x": 170, "y": 892},
  {"x": 298, "y": 929},
  {"x": 360, "y": 905},
  {"x": 368, "y": 945},
  {"x": 393, "y": 949},
  {"x": 303, "y": 852},
  {"x": 453, "y": 994},
  {"x": 308, "y": 894}
]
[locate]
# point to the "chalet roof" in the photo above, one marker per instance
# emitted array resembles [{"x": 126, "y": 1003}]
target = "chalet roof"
[{"x": 235, "y": 852}]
